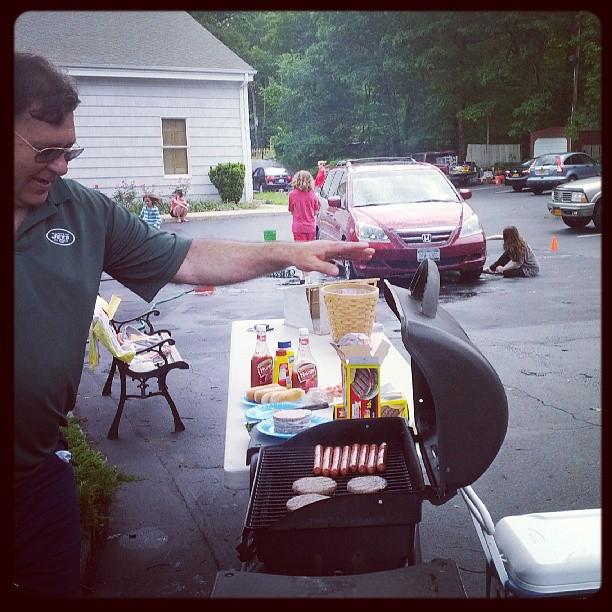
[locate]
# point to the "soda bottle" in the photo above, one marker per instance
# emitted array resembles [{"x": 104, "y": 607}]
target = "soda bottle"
[
  {"x": 304, "y": 373},
  {"x": 261, "y": 362}
]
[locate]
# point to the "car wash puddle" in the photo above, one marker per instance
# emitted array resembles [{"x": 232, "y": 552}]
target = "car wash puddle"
[{"x": 453, "y": 290}]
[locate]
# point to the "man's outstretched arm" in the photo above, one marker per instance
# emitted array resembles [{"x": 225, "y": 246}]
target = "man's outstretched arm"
[{"x": 222, "y": 262}]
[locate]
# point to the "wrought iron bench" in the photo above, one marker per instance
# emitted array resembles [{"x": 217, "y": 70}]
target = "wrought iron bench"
[{"x": 156, "y": 356}]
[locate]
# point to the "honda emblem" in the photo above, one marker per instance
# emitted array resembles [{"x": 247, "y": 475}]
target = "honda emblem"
[{"x": 426, "y": 237}]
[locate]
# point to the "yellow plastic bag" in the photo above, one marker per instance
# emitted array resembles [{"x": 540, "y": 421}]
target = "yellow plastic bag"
[{"x": 102, "y": 331}]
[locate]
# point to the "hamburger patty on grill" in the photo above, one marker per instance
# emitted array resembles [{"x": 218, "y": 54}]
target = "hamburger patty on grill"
[
  {"x": 314, "y": 484},
  {"x": 303, "y": 500}
]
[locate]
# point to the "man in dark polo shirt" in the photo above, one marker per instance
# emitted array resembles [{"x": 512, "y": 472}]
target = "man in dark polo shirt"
[{"x": 66, "y": 236}]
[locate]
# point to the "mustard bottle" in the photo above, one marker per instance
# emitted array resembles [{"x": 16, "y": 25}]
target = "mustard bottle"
[{"x": 282, "y": 369}]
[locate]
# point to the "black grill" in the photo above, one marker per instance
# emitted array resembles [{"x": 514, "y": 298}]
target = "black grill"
[
  {"x": 279, "y": 467},
  {"x": 347, "y": 533}
]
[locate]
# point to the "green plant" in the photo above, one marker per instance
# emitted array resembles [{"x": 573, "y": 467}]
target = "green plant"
[
  {"x": 184, "y": 186},
  {"x": 228, "y": 178},
  {"x": 127, "y": 196},
  {"x": 97, "y": 481}
]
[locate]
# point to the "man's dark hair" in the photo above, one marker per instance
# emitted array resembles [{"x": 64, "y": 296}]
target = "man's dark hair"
[{"x": 42, "y": 90}]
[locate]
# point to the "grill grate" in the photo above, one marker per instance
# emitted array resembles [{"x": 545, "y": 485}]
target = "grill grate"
[{"x": 280, "y": 466}]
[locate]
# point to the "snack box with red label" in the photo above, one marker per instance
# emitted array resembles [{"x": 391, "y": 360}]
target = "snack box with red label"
[{"x": 360, "y": 365}]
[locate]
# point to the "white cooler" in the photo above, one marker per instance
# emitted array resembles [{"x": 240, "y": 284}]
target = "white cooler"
[
  {"x": 552, "y": 553},
  {"x": 546, "y": 554}
]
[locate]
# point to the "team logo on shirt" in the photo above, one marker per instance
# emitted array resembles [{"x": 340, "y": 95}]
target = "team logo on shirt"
[{"x": 60, "y": 236}]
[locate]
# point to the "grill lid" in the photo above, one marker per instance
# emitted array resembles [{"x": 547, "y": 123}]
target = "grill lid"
[{"x": 461, "y": 410}]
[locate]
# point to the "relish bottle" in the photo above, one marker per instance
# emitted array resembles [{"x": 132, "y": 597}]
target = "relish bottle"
[
  {"x": 261, "y": 362},
  {"x": 304, "y": 373}
]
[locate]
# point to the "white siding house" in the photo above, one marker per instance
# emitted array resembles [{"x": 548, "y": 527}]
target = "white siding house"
[{"x": 162, "y": 100}]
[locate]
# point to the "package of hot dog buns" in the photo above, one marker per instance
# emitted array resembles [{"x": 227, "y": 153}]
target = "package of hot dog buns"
[{"x": 360, "y": 365}]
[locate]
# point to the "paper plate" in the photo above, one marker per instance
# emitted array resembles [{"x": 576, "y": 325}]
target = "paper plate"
[
  {"x": 248, "y": 402},
  {"x": 260, "y": 412},
  {"x": 267, "y": 426}
]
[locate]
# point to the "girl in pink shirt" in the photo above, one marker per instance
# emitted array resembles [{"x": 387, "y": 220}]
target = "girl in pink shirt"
[{"x": 303, "y": 205}]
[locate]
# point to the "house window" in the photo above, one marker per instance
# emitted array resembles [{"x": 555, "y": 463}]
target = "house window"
[{"x": 174, "y": 143}]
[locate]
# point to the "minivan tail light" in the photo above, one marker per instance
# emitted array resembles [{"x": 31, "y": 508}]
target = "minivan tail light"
[
  {"x": 559, "y": 165},
  {"x": 269, "y": 179}
]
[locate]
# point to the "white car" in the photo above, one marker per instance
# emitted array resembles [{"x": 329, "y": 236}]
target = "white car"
[{"x": 578, "y": 202}]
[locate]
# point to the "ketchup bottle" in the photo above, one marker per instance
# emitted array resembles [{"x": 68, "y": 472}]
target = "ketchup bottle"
[
  {"x": 261, "y": 362},
  {"x": 304, "y": 374}
]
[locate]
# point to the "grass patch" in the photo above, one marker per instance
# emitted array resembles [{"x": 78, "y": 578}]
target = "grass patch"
[
  {"x": 96, "y": 480},
  {"x": 280, "y": 198}
]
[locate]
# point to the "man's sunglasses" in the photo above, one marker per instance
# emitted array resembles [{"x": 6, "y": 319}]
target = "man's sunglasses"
[{"x": 46, "y": 156}]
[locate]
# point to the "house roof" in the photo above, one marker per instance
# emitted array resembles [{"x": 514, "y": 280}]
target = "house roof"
[{"x": 164, "y": 40}]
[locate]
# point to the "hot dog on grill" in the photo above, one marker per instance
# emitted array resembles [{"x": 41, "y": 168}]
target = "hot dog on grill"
[
  {"x": 318, "y": 460},
  {"x": 354, "y": 460},
  {"x": 362, "y": 465},
  {"x": 335, "y": 468},
  {"x": 381, "y": 460},
  {"x": 344, "y": 461},
  {"x": 327, "y": 460},
  {"x": 372, "y": 456}
]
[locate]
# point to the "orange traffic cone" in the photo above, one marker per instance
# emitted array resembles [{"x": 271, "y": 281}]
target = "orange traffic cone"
[{"x": 554, "y": 245}]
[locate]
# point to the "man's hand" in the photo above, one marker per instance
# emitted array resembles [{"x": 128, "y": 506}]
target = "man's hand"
[{"x": 315, "y": 256}]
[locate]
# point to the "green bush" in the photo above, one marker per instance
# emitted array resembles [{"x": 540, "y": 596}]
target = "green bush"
[
  {"x": 228, "y": 178},
  {"x": 96, "y": 480},
  {"x": 127, "y": 195}
]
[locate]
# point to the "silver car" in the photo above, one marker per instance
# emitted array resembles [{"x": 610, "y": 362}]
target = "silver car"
[{"x": 578, "y": 202}]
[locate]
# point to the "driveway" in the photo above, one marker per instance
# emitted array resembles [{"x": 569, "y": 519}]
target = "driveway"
[{"x": 173, "y": 529}]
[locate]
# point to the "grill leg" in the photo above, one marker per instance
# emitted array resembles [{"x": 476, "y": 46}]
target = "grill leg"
[
  {"x": 113, "y": 432},
  {"x": 109, "y": 381}
]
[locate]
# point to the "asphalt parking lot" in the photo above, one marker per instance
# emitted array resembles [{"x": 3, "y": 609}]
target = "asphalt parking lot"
[{"x": 175, "y": 527}]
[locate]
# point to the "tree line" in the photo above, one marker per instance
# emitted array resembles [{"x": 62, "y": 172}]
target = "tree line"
[{"x": 386, "y": 83}]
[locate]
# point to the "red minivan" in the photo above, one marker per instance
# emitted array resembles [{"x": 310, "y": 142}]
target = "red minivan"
[{"x": 408, "y": 211}]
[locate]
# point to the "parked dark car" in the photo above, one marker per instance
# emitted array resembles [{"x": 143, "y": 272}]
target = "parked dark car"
[
  {"x": 409, "y": 211},
  {"x": 516, "y": 177},
  {"x": 548, "y": 171},
  {"x": 271, "y": 178}
]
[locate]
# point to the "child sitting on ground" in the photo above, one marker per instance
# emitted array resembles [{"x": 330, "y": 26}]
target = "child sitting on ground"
[{"x": 179, "y": 206}]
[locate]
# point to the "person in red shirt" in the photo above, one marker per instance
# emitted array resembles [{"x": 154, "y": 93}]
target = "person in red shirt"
[
  {"x": 303, "y": 206},
  {"x": 321, "y": 175}
]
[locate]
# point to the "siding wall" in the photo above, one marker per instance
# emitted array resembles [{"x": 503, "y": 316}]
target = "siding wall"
[
  {"x": 119, "y": 124},
  {"x": 489, "y": 155}
]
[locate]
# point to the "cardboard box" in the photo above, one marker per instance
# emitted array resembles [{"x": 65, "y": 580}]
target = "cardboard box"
[
  {"x": 304, "y": 306},
  {"x": 360, "y": 375},
  {"x": 393, "y": 407}
]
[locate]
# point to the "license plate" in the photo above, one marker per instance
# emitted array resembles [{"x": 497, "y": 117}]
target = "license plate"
[
  {"x": 432, "y": 253},
  {"x": 556, "y": 212},
  {"x": 540, "y": 171},
  {"x": 515, "y": 175}
]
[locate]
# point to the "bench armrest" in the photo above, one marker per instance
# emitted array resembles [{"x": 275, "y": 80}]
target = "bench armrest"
[{"x": 143, "y": 318}]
